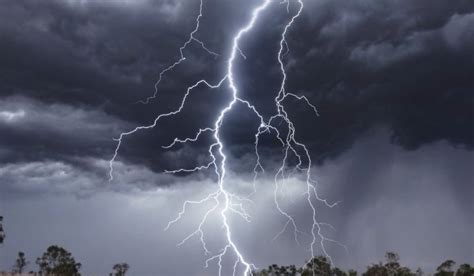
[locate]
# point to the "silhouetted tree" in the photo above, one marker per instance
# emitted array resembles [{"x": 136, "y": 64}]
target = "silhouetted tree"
[
  {"x": 20, "y": 263},
  {"x": 391, "y": 262},
  {"x": 2, "y": 233},
  {"x": 121, "y": 269},
  {"x": 278, "y": 270},
  {"x": 318, "y": 266},
  {"x": 391, "y": 267},
  {"x": 352, "y": 272},
  {"x": 465, "y": 270},
  {"x": 376, "y": 270},
  {"x": 338, "y": 272},
  {"x": 58, "y": 261},
  {"x": 446, "y": 268}
]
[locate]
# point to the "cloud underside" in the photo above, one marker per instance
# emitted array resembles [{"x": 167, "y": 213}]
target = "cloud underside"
[{"x": 72, "y": 71}]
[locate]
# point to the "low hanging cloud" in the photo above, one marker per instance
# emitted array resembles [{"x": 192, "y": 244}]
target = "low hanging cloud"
[{"x": 35, "y": 131}]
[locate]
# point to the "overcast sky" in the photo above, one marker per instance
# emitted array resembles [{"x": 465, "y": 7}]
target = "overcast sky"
[{"x": 392, "y": 81}]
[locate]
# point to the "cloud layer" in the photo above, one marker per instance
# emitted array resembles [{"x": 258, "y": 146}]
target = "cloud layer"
[{"x": 392, "y": 80}]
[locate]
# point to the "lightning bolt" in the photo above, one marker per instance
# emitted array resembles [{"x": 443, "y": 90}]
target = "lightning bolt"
[
  {"x": 222, "y": 200},
  {"x": 182, "y": 57}
]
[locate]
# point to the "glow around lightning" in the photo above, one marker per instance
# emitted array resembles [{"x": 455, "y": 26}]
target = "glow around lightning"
[{"x": 225, "y": 203}]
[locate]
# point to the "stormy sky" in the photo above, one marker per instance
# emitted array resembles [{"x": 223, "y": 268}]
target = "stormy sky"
[{"x": 392, "y": 80}]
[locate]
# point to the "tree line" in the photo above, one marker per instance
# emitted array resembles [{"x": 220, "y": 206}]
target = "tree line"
[
  {"x": 55, "y": 261},
  {"x": 321, "y": 266},
  {"x": 58, "y": 261}
]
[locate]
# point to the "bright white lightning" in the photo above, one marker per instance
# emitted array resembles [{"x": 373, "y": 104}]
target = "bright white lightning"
[{"x": 224, "y": 201}]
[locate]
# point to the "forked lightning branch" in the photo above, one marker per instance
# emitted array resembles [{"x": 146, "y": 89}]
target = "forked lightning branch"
[{"x": 222, "y": 202}]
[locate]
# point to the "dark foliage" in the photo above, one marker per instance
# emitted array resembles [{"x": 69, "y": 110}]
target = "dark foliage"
[
  {"x": 58, "y": 261},
  {"x": 20, "y": 263},
  {"x": 2, "y": 233},
  {"x": 321, "y": 266},
  {"x": 120, "y": 269}
]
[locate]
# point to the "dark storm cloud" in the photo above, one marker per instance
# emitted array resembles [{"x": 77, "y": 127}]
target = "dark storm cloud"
[
  {"x": 72, "y": 71},
  {"x": 37, "y": 131},
  {"x": 402, "y": 64},
  {"x": 106, "y": 56}
]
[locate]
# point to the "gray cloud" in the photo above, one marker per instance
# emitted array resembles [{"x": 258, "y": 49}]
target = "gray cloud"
[
  {"x": 385, "y": 54},
  {"x": 457, "y": 32},
  {"x": 106, "y": 55},
  {"x": 81, "y": 177},
  {"x": 71, "y": 72},
  {"x": 38, "y": 131}
]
